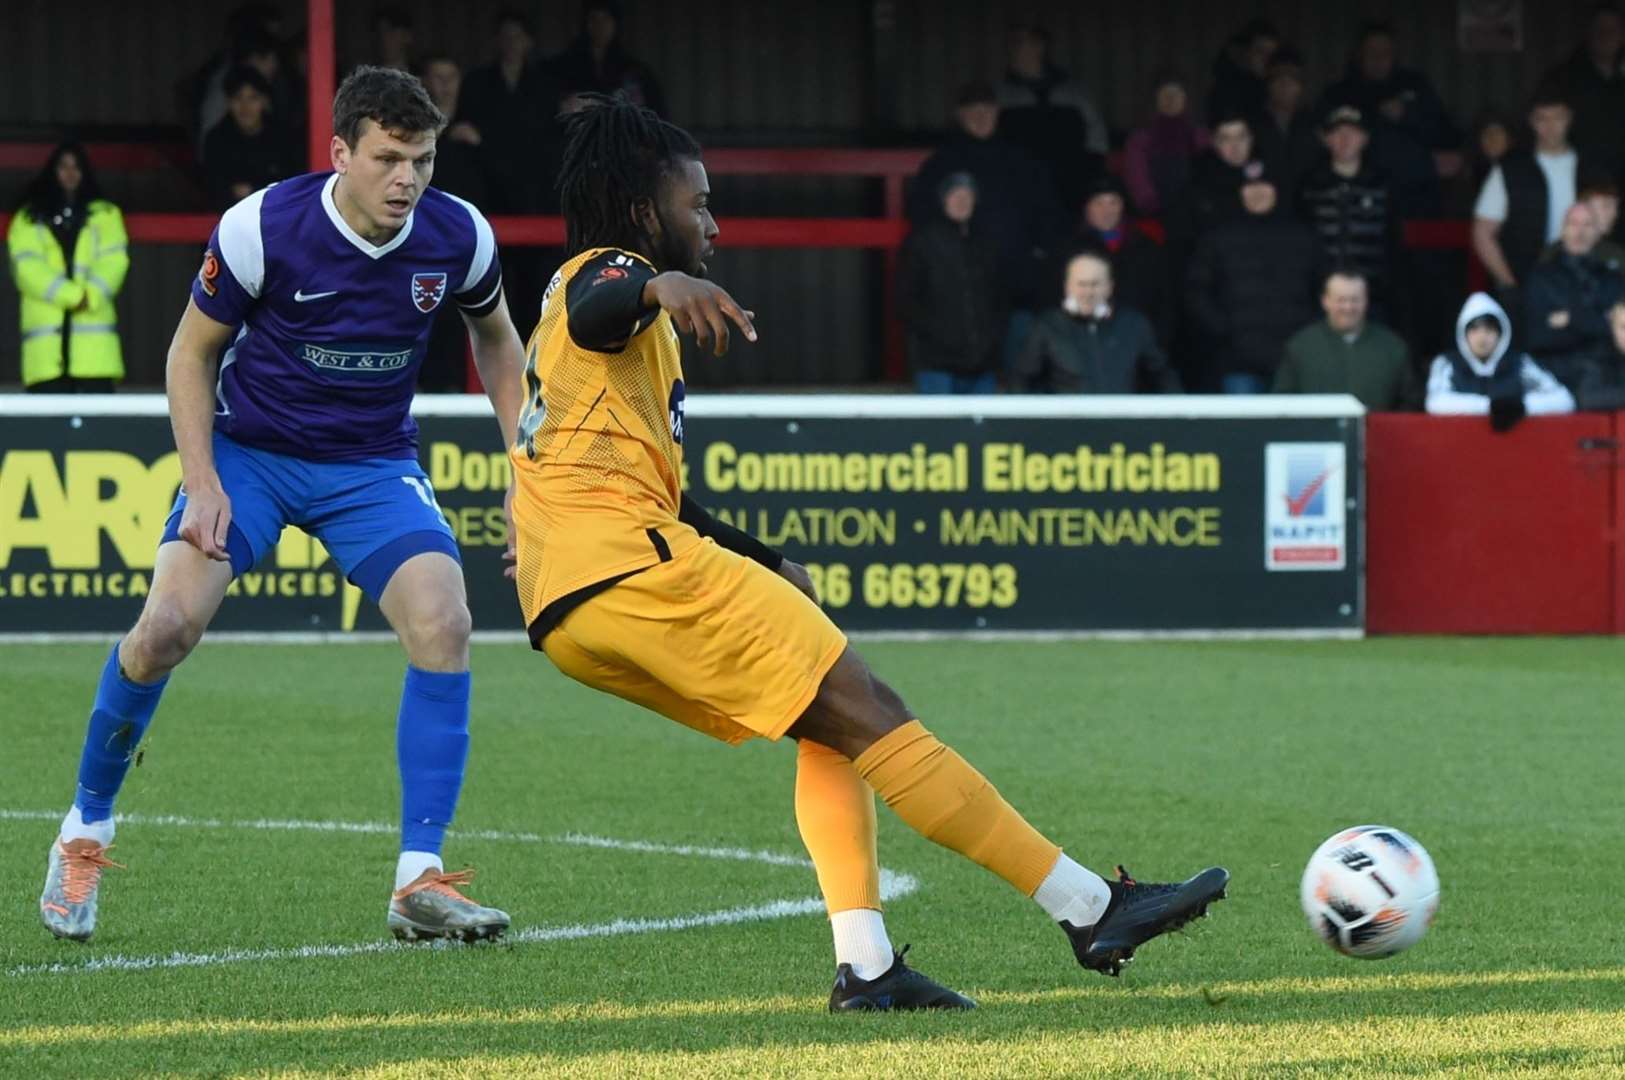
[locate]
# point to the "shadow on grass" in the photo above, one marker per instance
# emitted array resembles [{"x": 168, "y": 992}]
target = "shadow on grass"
[
  {"x": 1569, "y": 1060},
  {"x": 569, "y": 1031}
]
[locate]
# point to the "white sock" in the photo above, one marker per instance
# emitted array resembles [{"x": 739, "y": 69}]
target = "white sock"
[
  {"x": 411, "y": 865},
  {"x": 860, "y": 940},
  {"x": 74, "y": 828},
  {"x": 1073, "y": 894}
]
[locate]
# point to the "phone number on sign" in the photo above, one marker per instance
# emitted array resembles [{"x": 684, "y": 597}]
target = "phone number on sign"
[{"x": 922, "y": 585}]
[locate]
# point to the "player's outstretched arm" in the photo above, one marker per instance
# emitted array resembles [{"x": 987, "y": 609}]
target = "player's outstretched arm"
[
  {"x": 699, "y": 307},
  {"x": 189, "y": 379}
]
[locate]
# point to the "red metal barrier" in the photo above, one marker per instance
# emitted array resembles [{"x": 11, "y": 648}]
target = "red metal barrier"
[
  {"x": 549, "y": 231},
  {"x": 1473, "y": 532}
]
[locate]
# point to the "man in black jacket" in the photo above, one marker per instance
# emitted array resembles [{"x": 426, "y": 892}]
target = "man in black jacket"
[
  {"x": 1015, "y": 202},
  {"x": 1286, "y": 137},
  {"x": 949, "y": 298},
  {"x": 247, "y": 150},
  {"x": 1593, "y": 82},
  {"x": 1601, "y": 381},
  {"x": 1216, "y": 179},
  {"x": 1249, "y": 287},
  {"x": 1409, "y": 122},
  {"x": 1347, "y": 202},
  {"x": 1521, "y": 205},
  {"x": 1569, "y": 297},
  {"x": 1044, "y": 110},
  {"x": 1087, "y": 346}
]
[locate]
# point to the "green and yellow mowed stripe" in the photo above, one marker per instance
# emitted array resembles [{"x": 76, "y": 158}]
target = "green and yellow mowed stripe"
[
  {"x": 1410, "y": 1024},
  {"x": 752, "y": 1039},
  {"x": 1571, "y": 1044},
  {"x": 1579, "y": 985}
]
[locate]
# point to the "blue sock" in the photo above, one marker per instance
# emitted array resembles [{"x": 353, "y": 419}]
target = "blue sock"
[
  {"x": 431, "y": 745},
  {"x": 119, "y": 718}
]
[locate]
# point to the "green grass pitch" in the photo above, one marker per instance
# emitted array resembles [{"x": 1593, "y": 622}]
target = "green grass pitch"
[{"x": 1504, "y": 757}]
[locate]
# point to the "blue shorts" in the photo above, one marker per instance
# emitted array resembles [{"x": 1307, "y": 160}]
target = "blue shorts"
[{"x": 371, "y": 515}]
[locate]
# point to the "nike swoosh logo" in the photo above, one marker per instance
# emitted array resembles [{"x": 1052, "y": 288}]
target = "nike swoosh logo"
[
  {"x": 1296, "y": 507},
  {"x": 301, "y": 297}
]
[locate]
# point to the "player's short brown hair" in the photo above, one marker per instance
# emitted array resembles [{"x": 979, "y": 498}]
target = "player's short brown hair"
[{"x": 394, "y": 100}]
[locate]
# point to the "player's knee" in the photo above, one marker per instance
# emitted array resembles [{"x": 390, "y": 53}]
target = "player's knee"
[
  {"x": 853, "y": 709},
  {"x": 165, "y": 635},
  {"x": 439, "y": 634}
]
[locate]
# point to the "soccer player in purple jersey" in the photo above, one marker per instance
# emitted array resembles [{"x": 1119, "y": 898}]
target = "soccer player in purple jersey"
[{"x": 290, "y": 383}]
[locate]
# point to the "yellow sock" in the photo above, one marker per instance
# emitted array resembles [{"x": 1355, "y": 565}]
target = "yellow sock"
[
  {"x": 835, "y": 811},
  {"x": 939, "y": 796}
]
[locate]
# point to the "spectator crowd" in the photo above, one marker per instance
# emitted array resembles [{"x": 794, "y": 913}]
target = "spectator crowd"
[
  {"x": 247, "y": 108},
  {"x": 1247, "y": 242},
  {"x": 1259, "y": 246}
]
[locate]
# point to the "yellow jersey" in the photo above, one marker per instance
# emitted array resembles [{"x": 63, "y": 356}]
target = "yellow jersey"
[{"x": 598, "y": 461}]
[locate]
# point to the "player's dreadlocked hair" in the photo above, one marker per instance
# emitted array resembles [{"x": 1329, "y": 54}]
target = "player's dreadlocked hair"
[{"x": 615, "y": 153}]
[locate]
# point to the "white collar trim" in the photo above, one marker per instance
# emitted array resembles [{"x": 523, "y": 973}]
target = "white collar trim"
[{"x": 361, "y": 244}]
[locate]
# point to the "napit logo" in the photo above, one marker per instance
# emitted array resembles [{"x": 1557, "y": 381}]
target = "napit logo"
[
  {"x": 1305, "y": 501},
  {"x": 1306, "y": 476}
]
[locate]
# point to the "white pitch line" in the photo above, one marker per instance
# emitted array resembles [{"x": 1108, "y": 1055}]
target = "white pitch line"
[
  {"x": 772, "y": 858},
  {"x": 893, "y": 886}
]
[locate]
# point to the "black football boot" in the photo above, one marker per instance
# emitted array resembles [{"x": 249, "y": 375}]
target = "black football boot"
[
  {"x": 900, "y": 987},
  {"x": 1139, "y": 911}
]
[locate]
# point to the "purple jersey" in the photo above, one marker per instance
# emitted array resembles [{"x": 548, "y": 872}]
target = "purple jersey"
[{"x": 331, "y": 328}]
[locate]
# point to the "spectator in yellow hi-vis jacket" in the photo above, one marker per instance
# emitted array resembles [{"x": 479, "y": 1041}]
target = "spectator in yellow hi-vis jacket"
[{"x": 70, "y": 340}]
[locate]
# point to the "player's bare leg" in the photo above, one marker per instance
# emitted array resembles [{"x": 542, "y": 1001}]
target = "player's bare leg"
[
  {"x": 187, "y": 588},
  {"x": 427, "y": 606},
  {"x": 938, "y": 794}
]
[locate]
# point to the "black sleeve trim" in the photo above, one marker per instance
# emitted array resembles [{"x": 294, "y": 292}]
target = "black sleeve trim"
[
  {"x": 605, "y": 301},
  {"x": 735, "y": 540},
  {"x": 486, "y": 306}
]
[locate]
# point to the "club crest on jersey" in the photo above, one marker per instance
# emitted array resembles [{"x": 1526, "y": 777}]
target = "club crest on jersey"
[{"x": 427, "y": 291}]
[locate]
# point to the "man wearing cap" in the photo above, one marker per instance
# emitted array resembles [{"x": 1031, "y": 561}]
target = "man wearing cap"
[
  {"x": 949, "y": 297},
  {"x": 1249, "y": 287},
  {"x": 1347, "y": 202},
  {"x": 1404, "y": 111}
]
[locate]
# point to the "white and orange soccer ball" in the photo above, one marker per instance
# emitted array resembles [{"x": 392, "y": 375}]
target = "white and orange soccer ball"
[{"x": 1370, "y": 891}]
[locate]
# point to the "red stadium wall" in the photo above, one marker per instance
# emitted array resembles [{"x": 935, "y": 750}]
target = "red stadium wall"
[{"x": 1473, "y": 532}]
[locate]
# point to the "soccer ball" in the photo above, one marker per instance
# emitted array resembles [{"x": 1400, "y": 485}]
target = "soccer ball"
[{"x": 1370, "y": 891}]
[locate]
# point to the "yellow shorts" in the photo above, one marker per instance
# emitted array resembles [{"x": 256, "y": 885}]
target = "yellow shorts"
[{"x": 709, "y": 638}]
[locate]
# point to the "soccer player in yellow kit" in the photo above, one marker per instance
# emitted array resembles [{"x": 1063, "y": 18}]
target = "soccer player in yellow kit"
[{"x": 630, "y": 587}]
